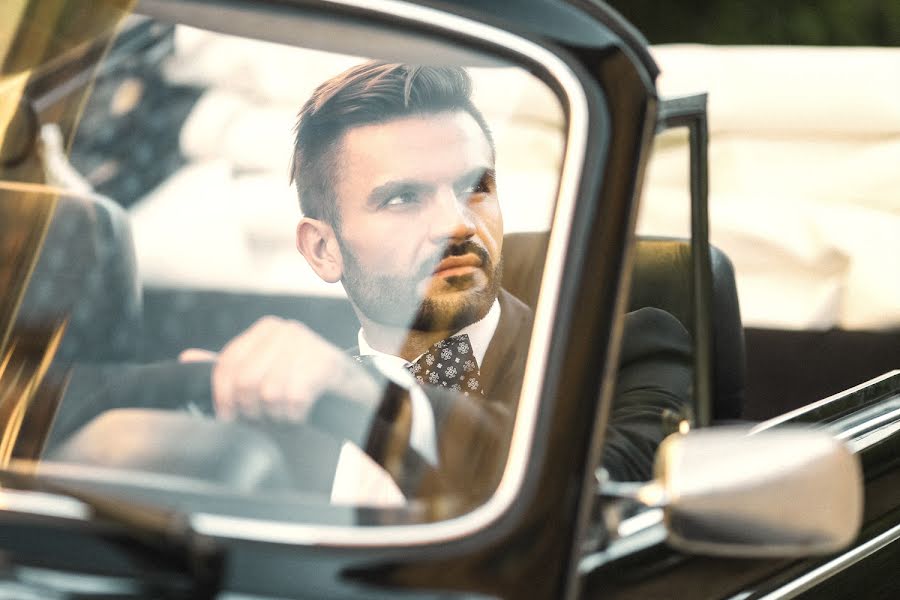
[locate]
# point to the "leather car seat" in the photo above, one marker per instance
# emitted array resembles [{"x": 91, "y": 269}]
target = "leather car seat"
[
  {"x": 661, "y": 279},
  {"x": 86, "y": 272}
]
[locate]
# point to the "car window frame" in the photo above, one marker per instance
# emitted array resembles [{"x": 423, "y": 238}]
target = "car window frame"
[{"x": 550, "y": 67}]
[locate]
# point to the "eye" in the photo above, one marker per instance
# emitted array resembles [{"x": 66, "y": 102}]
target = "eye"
[
  {"x": 473, "y": 192},
  {"x": 404, "y": 199},
  {"x": 483, "y": 185}
]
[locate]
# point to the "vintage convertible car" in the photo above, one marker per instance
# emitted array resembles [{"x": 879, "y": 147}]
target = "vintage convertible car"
[{"x": 146, "y": 209}]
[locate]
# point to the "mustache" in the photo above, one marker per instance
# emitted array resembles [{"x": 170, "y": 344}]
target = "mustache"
[{"x": 466, "y": 247}]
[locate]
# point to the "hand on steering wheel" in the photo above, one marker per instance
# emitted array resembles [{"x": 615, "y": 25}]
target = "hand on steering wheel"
[{"x": 276, "y": 369}]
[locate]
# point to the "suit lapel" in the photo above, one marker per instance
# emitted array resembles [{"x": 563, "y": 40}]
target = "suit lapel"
[{"x": 504, "y": 361}]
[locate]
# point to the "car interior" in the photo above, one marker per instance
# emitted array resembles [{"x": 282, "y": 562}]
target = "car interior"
[
  {"x": 90, "y": 272},
  {"x": 87, "y": 271}
]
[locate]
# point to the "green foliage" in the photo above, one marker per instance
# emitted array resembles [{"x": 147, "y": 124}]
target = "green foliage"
[{"x": 805, "y": 22}]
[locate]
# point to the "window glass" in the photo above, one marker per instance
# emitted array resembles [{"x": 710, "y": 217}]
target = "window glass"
[{"x": 256, "y": 267}]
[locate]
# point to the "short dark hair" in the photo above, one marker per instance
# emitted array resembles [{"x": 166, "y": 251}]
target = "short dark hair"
[{"x": 369, "y": 93}]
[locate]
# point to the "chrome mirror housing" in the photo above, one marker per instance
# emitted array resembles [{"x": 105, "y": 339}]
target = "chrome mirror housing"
[{"x": 789, "y": 492}]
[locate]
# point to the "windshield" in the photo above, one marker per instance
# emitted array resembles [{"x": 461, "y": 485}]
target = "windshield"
[{"x": 260, "y": 279}]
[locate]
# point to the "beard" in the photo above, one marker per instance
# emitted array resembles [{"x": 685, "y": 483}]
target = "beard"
[{"x": 395, "y": 301}]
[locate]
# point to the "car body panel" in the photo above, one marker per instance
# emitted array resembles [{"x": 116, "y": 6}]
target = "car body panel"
[{"x": 533, "y": 549}]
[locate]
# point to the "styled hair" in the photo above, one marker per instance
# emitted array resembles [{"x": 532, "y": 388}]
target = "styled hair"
[{"x": 370, "y": 93}]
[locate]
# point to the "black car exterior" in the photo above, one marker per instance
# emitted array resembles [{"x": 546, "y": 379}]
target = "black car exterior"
[{"x": 550, "y": 543}]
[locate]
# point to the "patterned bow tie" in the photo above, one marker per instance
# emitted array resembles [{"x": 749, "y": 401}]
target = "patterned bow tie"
[{"x": 451, "y": 364}]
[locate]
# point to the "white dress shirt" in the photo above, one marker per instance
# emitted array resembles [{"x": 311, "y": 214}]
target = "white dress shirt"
[{"x": 358, "y": 479}]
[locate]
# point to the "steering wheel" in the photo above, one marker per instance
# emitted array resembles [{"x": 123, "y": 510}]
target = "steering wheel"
[{"x": 243, "y": 457}]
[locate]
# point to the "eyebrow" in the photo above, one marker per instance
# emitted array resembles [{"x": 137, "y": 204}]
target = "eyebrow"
[
  {"x": 478, "y": 174},
  {"x": 389, "y": 189}
]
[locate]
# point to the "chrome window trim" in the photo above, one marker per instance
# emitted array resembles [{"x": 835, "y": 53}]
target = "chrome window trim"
[
  {"x": 804, "y": 409},
  {"x": 44, "y": 504},
  {"x": 833, "y": 567},
  {"x": 869, "y": 431},
  {"x": 880, "y": 423},
  {"x": 67, "y": 583},
  {"x": 529, "y": 401},
  {"x": 637, "y": 533},
  {"x": 870, "y": 438}
]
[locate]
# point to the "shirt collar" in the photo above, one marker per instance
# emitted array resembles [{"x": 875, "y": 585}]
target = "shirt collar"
[{"x": 480, "y": 334}]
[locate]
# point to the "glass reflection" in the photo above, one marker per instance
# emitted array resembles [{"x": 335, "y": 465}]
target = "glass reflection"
[{"x": 359, "y": 330}]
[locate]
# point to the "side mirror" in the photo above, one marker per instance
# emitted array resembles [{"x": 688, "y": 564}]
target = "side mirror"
[{"x": 776, "y": 493}]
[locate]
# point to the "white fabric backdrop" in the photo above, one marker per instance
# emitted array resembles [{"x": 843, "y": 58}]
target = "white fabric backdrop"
[{"x": 804, "y": 160}]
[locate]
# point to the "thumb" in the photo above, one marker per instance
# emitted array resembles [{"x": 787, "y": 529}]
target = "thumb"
[{"x": 192, "y": 355}]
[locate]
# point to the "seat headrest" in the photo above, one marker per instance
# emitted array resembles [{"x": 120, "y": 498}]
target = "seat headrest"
[
  {"x": 661, "y": 279},
  {"x": 87, "y": 273},
  {"x": 523, "y": 263}
]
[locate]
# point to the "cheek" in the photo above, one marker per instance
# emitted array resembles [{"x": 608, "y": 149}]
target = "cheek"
[
  {"x": 491, "y": 228},
  {"x": 383, "y": 247}
]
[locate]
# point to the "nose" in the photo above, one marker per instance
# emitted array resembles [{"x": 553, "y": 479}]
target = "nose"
[{"x": 450, "y": 217}]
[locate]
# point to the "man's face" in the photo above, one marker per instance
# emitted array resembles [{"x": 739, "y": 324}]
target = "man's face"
[{"x": 420, "y": 230}]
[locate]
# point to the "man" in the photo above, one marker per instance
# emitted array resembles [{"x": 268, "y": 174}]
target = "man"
[{"x": 394, "y": 168}]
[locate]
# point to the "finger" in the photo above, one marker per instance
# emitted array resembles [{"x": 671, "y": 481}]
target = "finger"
[
  {"x": 274, "y": 399},
  {"x": 260, "y": 379},
  {"x": 243, "y": 346},
  {"x": 297, "y": 375},
  {"x": 301, "y": 391},
  {"x": 222, "y": 395},
  {"x": 234, "y": 355},
  {"x": 192, "y": 355},
  {"x": 316, "y": 373}
]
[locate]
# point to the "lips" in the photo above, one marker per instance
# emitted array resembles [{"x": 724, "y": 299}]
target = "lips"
[{"x": 457, "y": 264}]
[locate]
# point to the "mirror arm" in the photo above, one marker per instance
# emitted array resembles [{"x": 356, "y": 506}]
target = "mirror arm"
[
  {"x": 650, "y": 494},
  {"x": 617, "y": 502},
  {"x": 691, "y": 112}
]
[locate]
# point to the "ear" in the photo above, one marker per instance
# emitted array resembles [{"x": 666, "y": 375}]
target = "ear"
[{"x": 317, "y": 242}]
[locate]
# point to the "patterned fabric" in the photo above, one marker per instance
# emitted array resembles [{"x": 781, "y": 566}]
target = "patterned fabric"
[{"x": 451, "y": 364}]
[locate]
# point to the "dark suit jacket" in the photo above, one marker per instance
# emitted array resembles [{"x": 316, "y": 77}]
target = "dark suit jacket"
[
  {"x": 472, "y": 433},
  {"x": 653, "y": 383},
  {"x": 652, "y": 394},
  {"x": 504, "y": 361}
]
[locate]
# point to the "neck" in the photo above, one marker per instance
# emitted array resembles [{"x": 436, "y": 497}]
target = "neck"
[{"x": 400, "y": 341}]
